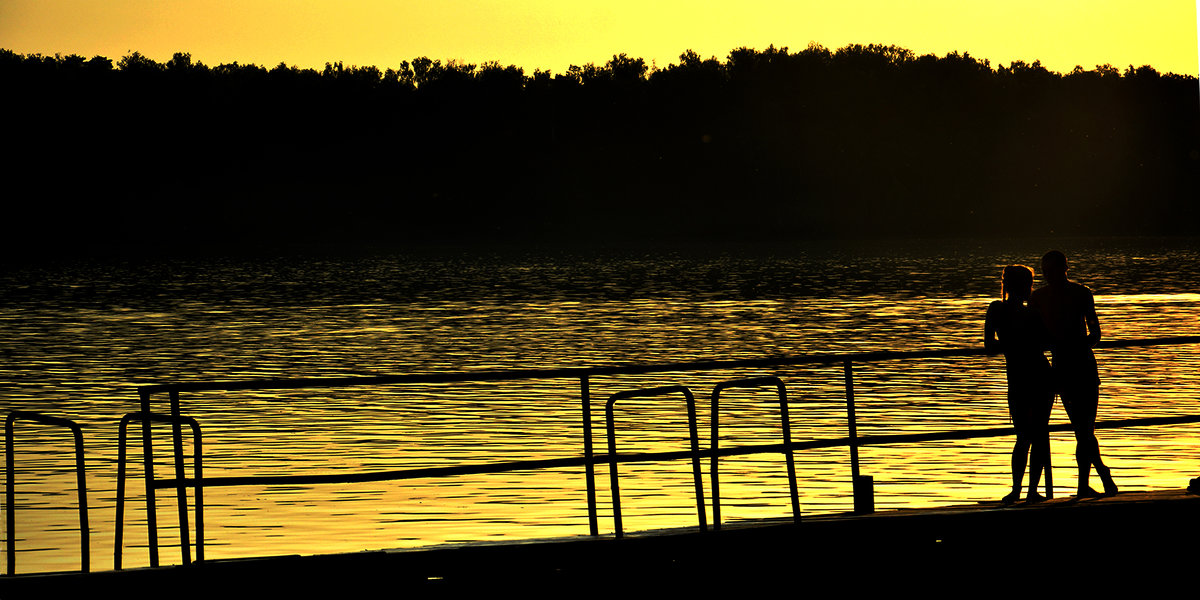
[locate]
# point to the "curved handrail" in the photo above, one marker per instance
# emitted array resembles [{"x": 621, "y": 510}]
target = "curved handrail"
[
  {"x": 785, "y": 426},
  {"x": 81, "y": 484},
  {"x": 198, "y": 483},
  {"x": 693, "y": 436}
]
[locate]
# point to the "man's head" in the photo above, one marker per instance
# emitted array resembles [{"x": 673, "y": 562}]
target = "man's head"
[{"x": 1054, "y": 266}]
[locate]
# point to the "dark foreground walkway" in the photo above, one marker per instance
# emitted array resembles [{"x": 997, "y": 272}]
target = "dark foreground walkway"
[{"x": 1133, "y": 542}]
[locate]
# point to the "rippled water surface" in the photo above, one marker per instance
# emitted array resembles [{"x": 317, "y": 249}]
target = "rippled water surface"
[{"x": 77, "y": 338}]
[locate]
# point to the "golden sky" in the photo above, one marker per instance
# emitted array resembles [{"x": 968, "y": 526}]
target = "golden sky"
[{"x": 553, "y": 34}]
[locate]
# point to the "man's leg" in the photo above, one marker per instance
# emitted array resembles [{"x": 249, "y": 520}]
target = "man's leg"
[
  {"x": 1082, "y": 411},
  {"x": 1090, "y": 398},
  {"x": 1081, "y": 404}
]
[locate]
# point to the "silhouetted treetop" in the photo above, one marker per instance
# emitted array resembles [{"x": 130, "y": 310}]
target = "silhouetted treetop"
[
  {"x": 851, "y": 60},
  {"x": 869, "y": 140}
]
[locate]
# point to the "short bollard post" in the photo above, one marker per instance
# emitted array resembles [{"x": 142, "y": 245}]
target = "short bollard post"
[{"x": 864, "y": 494}]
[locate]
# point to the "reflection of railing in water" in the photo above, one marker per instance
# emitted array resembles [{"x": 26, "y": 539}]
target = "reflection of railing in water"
[{"x": 588, "y": 459}]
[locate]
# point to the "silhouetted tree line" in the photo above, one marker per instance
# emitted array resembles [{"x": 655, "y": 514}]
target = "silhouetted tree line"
[{"x": 859, "y": 141}]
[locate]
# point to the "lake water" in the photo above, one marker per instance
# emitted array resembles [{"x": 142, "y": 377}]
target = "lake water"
[{"x": 77, "y": 337}]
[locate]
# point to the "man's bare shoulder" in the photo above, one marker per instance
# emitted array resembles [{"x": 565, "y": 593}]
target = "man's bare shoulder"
[{"x": 1079, "y": 290}]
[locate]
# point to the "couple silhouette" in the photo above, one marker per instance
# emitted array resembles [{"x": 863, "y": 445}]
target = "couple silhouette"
[{"x": 1060, "y": 316}]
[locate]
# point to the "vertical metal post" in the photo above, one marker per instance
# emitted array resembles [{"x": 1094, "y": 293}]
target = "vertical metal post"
[
  {"x": 148, "y": 466},
  {"x": 614, "y": 485},
  {"x": 850, "y": 419},
  {"x": 714, "y": 441},
  {"x": 10, "y": 496},
  {"x": 590, "y": 468},
  {"x": 198, "y": 469},
  {"x": 862, "y": 486},
  {"x": 85, "y": 552},
  {"x": 180, "y": 491},
  {"x": 118, "y": 542},
  {"x": 787, "y": 443},
  {"x": 697, "y": 478}
]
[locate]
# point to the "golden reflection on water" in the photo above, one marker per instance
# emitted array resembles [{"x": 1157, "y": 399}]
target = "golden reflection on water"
[{"x": 90, "y": 357}]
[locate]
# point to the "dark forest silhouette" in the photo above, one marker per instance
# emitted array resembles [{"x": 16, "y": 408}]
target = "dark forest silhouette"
[{"x": 862, "y": 141}]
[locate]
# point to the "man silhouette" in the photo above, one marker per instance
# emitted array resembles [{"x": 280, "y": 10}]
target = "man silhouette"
[{"x": 1068, "y": 311}]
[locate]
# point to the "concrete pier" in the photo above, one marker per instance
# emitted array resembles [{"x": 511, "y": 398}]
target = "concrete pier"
[{"x": 1135, "y": 541}]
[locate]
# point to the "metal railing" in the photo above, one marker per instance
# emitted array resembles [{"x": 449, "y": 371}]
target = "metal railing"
[
  {"x": 588, "y": 459},
  {"x": 198, "y": 471},
  {"x": 10, "y": 503},
  {"x": 693, "y": 437},
  {"x": 786, "y": 428}
]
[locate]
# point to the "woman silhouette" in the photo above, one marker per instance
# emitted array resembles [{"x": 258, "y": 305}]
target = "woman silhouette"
[{"x": 1013, "y": 328}]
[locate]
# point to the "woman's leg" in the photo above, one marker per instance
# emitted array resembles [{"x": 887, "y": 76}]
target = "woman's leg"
[
  {"x": 1020, "y": 451},
  {"x": 1018, "y": 411},
  {"x": 1039, "y": 455}
]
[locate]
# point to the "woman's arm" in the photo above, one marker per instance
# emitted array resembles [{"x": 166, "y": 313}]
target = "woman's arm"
[
  {"x": 1091, "y": 320},
  {"x": 991, "y": 342}
]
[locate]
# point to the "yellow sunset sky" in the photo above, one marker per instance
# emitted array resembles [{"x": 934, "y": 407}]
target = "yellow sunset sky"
[{"x": 553, "y": 34}]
